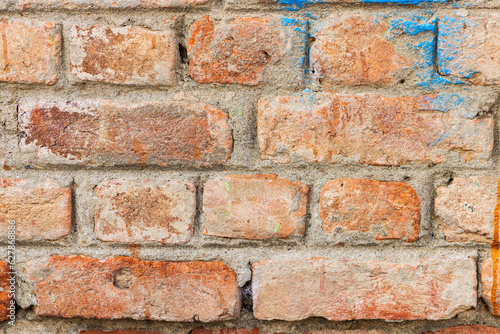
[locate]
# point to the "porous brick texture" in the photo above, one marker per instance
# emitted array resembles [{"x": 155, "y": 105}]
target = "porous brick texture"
[{"x": 249, "y": 166}]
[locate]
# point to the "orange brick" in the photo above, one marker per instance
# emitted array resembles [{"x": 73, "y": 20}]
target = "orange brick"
[
  {"x": 112, "y": 133},
  {"x": 387, "y": 210},
  {"x": 123, "y": 55},
  {"x": 31, "y": 51},
  {"x": 5, "y": 300},
  {"x": 136, "y": 211},
  {"x": 242, "y": 51},
  {"x": 368, "y": 129},
  {"x": 254, "y": 207},
  {"x": 354, "y": 51},
  {"x": 41, "y": 210},
  {"x": 124, "y": 287},
  {"x": 433, "y": 288}
]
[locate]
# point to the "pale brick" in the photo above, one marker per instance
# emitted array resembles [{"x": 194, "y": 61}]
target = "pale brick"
[
  {"x": 254, "y": 207},
  {"x": 41, "y": 210},
  {"x": 136, "y": 211},
  {"x": 104, "y": 4},
  {"x": 345, "y": 290}
]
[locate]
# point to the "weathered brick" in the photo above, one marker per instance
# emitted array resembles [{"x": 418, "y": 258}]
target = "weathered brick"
[
  {"x": 368, "y": 129},
  {"x": 242, "y": 51},
  {"x": 347, "y": 331},
  {"x": 112, "y": 133},
  {"x": 388, "y": 210},
  {"x": 120, "y": 331},
  {"x": 123, "y": 55},
  {"x": 468, "y": 48},
  {"x": 4, "y": 290},
  {"x": 135, "y": 211},
  {"x": 124, "y": 287},
  {"x": 103, "y": 4},
  {"x": 41, "y": 210},
  {"x": 465, "y": 208},
  {"x": 254, "y": 207},
  {"x": 354, "y": 51},
  {"x": 31, "y": 51},
  {"x": 488, "y": 286},
  {"x": 473, "y": 329},
  {"x": 201, "y": 330},
  {"x": 433, "y": 288}
]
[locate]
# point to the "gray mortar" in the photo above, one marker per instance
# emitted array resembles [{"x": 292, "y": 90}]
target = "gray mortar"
[{"x": 245, "y": 159}]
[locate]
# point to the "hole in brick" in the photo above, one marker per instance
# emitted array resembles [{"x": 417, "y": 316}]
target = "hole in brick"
[
  {"x": 123, "y": 278},
  {"x": 312, "y": 40},
  {"x": 246, "y": 296},
  {"x": 402, "y": 81},
  {"x": 183, "y": 53},
  {"x": 267, "y": 56}
]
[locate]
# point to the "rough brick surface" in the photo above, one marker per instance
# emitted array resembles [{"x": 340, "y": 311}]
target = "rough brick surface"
[
  {"x": 347, "y": 331},
  {"x": 30, "y": 51},
  {"x": 123, "y": 55},
  {"x": 4, "y": 290},
  {"x": 112, "y": 133},
  {"x": 255, "y": 207},
  {"x": 388, "y": 210},
  {"x": 119, "y": 331},
  {"x": 354, "y": 51},
  {"x": 474, "y": 329},
  {"x": 201, "y": 330},
  {"x": 368, "y": 129},
  {"x": 103, "y": 4},
  {"x": 346, "y": 290},
  {"x": 468, "y": 48},
  {"x": 238, "y": 52},
  {"x": 465, "y": 208},
  {"x": 123, "y": 287},
  {"x": 135, "y": 211},
  {"x": 41, "y": 210},
  {"x": 488, "y": 286}
]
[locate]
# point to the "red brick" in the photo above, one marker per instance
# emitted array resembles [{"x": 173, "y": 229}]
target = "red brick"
[
  {"x": 5, "y": 300},
  {"x": 109, "y": 133},
  {"x": 368, "y": 129},
  {"x": 468, "y": 48},
  {"x": 120, "y": 331},
  {"x": 239, "y": 52},
  {"x": 354, "y": 51},
  {"x": 103, "y": 4},
  {"x": 474, "y": 329},
  {"x": 201, "y": 330},
  {"x": 465, "y": 208},
  {"x": 388, "y": 210},
  {"x": 41, "y": 210},
  {"x": 254, "y": 207},
  {"x": 31, "y": 51},
  {"x": 487, "y": 282},
  {"x": 124, "y": 287},
  {"x": 123, "y": 55},
  {"x": 433, "y": 288},
  {"x": 136, "y": 211}
]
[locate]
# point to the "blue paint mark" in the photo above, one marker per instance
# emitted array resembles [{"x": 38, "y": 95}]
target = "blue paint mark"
[
  {"x": 294, "y": 5},
  {"x": 302, "y": 40},
  {"x": 405, "y": 2}
]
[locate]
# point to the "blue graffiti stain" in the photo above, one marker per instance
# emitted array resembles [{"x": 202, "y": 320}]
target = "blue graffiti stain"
[
  {"x": 294, "y": 5},
  {"x": 301, "y": 30},
  {"x": 404, "y": 2}
]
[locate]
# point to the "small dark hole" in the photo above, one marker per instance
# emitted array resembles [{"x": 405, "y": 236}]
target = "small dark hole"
[
  {"x": 246, "y": 296},
  {"x": 183, "y": 53},
  {"x": 312, "y": 40},
  {"x": 267, "y": 56},
  {"x": 402, "y": 81}
]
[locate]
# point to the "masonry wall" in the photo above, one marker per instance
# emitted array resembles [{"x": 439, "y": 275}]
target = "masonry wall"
[{"x": 258, "y": 166}]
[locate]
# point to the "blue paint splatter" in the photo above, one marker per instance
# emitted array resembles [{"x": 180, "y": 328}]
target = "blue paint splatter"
[
  {"x": 294, "y": 5},
  {"x": 404, "y": 2},
  {"x": 302, "y": 40}
]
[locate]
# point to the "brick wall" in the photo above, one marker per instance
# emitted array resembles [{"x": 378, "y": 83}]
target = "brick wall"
[{"x": 250, "y": 166}]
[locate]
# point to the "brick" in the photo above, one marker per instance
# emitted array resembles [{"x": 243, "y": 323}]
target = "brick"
[
  {"x": 136, "y": 211},
  {"x": 120, "y": 331},
  {"x": 31, "y": 51},
  {"x": 41, "y": 210},
  {"x": 201, "y": 330},
  {"x": 123, "y": 55},
  {"x": 103, "y": 4},
  {"x": 368, "y": 129},
  {"x": 112, "y": 133},
  {"x": 387, "y": 210},
  {"x": 465, "y": 209},
  {"x": 488, "y": 286},
  {"x": 254, "y": 207},
  {"x": 243, "y": 51},
  {"x": 342, "y": 331},
  {"x": 468, "y": 48},
  {"x": 354, "y": 51},
  {"x": 433, "y": 288},
  {"x": 5, "y": 300},
  {"x": 124, "y": 287},
  {"x": 474, "y": 329}
]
